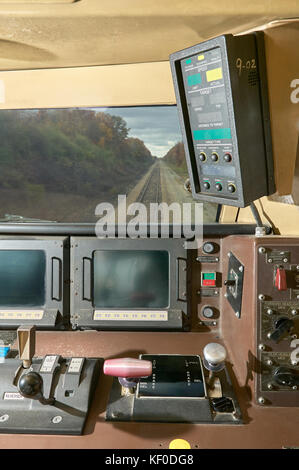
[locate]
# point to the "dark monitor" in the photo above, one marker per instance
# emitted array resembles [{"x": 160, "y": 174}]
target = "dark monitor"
[
  {"x": 128, "y": 284},
  {"x": 33, "y": 272}
]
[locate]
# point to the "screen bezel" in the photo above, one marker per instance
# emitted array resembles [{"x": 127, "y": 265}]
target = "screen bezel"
[
  {"x": 82, "y": 309},
  {"x": 56, "y": 306}
]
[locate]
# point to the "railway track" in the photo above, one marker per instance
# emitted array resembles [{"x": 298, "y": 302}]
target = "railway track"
[{"x": 151, "y": 191}]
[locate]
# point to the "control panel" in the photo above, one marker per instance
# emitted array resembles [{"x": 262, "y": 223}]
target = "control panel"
[
  {"x": 278, "y": 323},
  {"x": 221, "y": 92},
  {"x": 173, "y": 388}
]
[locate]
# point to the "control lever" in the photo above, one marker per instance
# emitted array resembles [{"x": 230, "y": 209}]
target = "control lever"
[
  {"x": 282, "y": 326},
  {"x": 26, "y": 344},
  {"x": 214, "y": 359},
  {"x": 31, "y": 386},
  {"x": 128, "y": 370},
  {"x": 286, "y": 376}
]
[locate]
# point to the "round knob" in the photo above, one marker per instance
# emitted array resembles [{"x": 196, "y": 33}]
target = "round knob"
[
  {"x": 208, "y": 312},
  {"x": 209, "y": 247},
  {"x": 227, "y": 157},
  {"x": 127, "y": 367},
  {"x": 214, "y": 157},
  {"x": 214, "y": 356},
  {"x": 202, "y": 157},
  {"x": 30, "y": 385},
  {"x": 218, "y": 186},
  {"x": 206, "y": 185},
  {"x": 231, "y": 188}
]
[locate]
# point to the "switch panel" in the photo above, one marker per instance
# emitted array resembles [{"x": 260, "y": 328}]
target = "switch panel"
[{"x": 277, "y": 322}]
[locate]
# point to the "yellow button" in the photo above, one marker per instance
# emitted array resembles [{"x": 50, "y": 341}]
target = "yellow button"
[{"x": 179, "y": 444}]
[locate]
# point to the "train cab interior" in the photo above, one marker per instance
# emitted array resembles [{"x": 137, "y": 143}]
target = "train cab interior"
[{"x": 149, "y": 224}]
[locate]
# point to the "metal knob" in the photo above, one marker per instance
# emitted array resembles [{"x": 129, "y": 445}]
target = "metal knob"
[{"x": 214, "y": 357}]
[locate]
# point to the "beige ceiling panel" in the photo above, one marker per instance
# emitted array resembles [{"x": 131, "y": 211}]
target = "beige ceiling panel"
[
  {"x": 101, "y": 32},
  {"x": 118, "y": 85}
]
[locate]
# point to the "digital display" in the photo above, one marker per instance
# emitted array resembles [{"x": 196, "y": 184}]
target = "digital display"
[
  {"x": 22, "y": 278},
  {"x": 206, "y": 99},
  {"x": 216, "y": 170},
  {"x": 131, "y": 279}
]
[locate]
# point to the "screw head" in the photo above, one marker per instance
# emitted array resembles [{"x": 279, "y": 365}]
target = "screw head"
[
  {"x": 269, "y": 362},
  {"x": 261, "y": 400},
  {"x": 294, "y": 311},
  {"x": 270, "y": 260},
  {"x": 294, "y": 363},
  {"x": 269, "y": 311},
  {"x": 56, "y": 419},
  {"x": 262, "y": 347},
  {"x": 285, "y": 260},
  {"x": 294, "y": 387},
  {"x": 262, "y": 250},
  {"x": 270, "y": 387},
  {"x": 4, "y": 418},
  {"x": 261, "y": 297},
  {"x": 241, "y": 269}
]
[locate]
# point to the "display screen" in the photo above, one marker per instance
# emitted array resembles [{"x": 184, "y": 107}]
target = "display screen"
[
  {"x": 206, "y": 99},
  {"x": 214, "y": 170},
  {"x": 22, "y": 278},
  {"x": 131, "y": 279}
]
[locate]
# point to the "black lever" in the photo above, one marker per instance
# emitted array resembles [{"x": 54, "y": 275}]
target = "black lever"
[
  {"x": 286, "y": 376},
  {"x": 283, "y": 326},
  {"x": 31, "y": 386}
]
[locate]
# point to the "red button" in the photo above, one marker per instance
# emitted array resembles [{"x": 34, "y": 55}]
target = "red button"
[
  {"x": 281, "y": 279},
  {"x": 209, "y": 282}
]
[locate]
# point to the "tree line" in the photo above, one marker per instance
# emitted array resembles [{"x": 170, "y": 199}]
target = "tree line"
[{"x": 69, "y": 151}]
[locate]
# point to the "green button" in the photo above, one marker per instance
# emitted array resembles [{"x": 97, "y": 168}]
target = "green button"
[
  {"x": 188, "y": 61},
  {"x": 209, "y": 275}
]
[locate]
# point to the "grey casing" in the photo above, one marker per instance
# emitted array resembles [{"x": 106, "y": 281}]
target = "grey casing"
[
  {"x": 249, "y": 118},
  {"x": 66, "y": 416}
]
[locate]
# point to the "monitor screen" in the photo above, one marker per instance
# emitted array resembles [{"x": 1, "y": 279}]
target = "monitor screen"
[
  {"x": 22, "y": 278},
  {"x": 131, "y": 279}
]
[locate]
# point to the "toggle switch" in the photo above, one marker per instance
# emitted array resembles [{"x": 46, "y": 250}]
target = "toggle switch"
[{"x": 281, "y": 279}]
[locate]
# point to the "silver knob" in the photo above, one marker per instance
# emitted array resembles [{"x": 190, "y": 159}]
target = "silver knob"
[{"x": 214, "y": 357}]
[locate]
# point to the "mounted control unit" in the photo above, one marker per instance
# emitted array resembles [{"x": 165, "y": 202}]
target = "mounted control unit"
[{"x": 221, "y": 93}]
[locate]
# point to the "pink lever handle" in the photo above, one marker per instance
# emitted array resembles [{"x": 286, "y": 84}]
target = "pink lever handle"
[{"x": 127, "y": 367}]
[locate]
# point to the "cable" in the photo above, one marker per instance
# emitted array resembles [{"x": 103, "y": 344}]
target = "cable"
[
  {"x": 256, "y": 215},
  {"x": 218, "y": 213}
]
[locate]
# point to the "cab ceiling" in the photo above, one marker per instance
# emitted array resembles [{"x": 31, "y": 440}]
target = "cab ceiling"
[{"x": 67, "y": 33}]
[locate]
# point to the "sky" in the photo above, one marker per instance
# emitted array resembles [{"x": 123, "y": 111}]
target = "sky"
[{"x": 157, "y": 126}]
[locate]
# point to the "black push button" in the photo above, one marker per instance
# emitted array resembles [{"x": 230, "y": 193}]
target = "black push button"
[
  {"x": 214, "y": 157},
  {"x": 231, "y": 188},
  {"x": 218, "y": 186},
  {"x": 206, "y": 185},
  {"x": 202, "y": 157}
]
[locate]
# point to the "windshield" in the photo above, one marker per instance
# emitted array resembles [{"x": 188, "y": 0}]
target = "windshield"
[{"x": 59, "y": 164}]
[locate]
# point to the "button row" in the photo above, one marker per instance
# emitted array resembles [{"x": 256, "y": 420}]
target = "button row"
[
  {"x": 230, "y": 187},
  {"x": 215, "y": 157}
]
